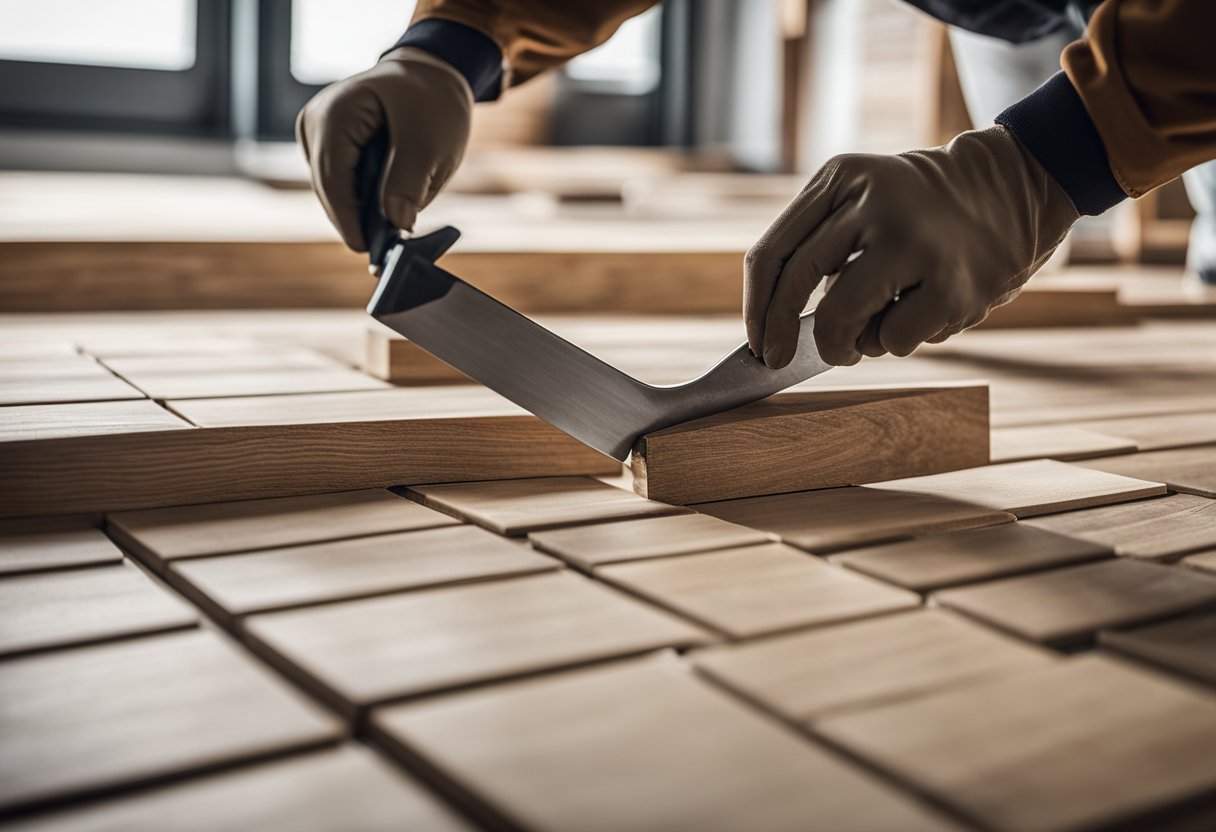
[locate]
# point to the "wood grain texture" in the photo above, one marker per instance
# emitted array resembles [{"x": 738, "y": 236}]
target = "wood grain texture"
[
  {"x": 1184, "y": 645},
  {"x": 1069, "y": 605},
  {"x": 801, "y": 440},
  {"x": 1189, "y": 470},
  {"x": 77, "y": 379},
  {"x": 1062, "y": 442},
  {"x": 345, "y": 788},
  {"x": 588, "y": 547},
  {"x": 1040, "y": 486},
  {"x": 58, "y": 421},
  {"x": 1056, "y": 304},
  {"x": 838, "y": 518},
  {"x": 1076, "y": 745},
  {"x": 263, "y": 382},
  {"x": 808, "y": 676},
  {"x": 235, "y": 585},
  {"x": 102, "y": 718},
  {"x": 1163, "y": 431},
  {"x": 579, "y": 751},
  {"x": 1155, "y": 529},
  {"x": 361, "y": 653},
  {"x": 58, "y": 549},
  {"x": 755, "y": 590},
  {"x": 519, "y": 506},
  {"x": 1203, "y": 560}
]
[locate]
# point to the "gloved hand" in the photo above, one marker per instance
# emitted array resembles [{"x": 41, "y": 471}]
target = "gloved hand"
[
  {"x": 945, "y": 236},
  {"x": 426, "y": 106}
]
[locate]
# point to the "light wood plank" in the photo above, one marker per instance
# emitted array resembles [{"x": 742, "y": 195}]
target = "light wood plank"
[
  {"x": 1062, "y": 442},
  {"x": 60, "y": 421},
  {"x": 270, "y": 382},
  {"x": 1163, "y": 431},
  {"x": 1203, "y": 560},
  {"x": 50, "y": 382},
  {"x": 1184, "y": 645},
  {"x": 1189, "y": 470},
  {"x": 59, "y": 549},
  {"x": 258, "y": 358},
  {"x": 1153, "y": 529}
]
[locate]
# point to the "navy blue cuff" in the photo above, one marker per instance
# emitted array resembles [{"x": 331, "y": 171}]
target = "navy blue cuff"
[
  {"x": 1054, "y": 126},
  {"x": 472, "y": 53}
]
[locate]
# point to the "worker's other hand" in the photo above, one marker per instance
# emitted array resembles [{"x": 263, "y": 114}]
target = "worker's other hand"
[
  {"x": 426, "y": 106},
  {"x": 943, "y": 236}
]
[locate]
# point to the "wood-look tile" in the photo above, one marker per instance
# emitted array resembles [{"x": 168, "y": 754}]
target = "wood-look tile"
[
  {"x": 806, "y": 676},
  {"x": 941, "y": 560},
  {"x": 66, "y": 549},
  {"x": 1040, "y": 486},
  {"x": 1153, "y": 529},
  {"x": 281, "y": 360},
  {"x": 837, "y": 518},
  {"x": 757, "y": 589},
  {"x": 109, "y": 716},
  {"x": 1162, "y": 431},
  {"x": 638, "y": 745},
  {"x": 233, "y": 585},
  {"x": 1190, "y": 470},
  {"x": 80, "y": 606},
  {"x": 219, "y": 528},
  {"x": 35, "y": 422},
  {"x": 344, "y": 788},
  {"x": 1068, "y": 605},
  {"x": 1186, "y": 645},
  {"x": 651, "y": 537},
  {"x": 364, "y": 652},
  {"x": 1076, "y": 745},
  {"x": 1061, "y": 442},
  {"x": 516, "y": 507},
  {"x": 208, "y": 385},
  {"x": 1202, "y": 560},
  {"x": 76, "y": 379}
]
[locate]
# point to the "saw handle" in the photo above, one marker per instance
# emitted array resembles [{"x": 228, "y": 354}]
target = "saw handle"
[{"x": 378, "y": 233}]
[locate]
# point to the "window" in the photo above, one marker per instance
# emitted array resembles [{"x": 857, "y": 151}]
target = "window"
[{"x": 332, "y": 40}]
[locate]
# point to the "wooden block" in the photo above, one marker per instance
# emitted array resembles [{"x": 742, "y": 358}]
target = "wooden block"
[
  {"x": 1184, "y": 645},
  {"x": 1203, "y": 560},
  {"x": 235, "y": 585},
  {"x": 1189, "y": 470},
  {"x": 637, "y": 745},
  {"x": 1053, "y": 304},
  {"x": 837, "y": 518},
  {"x": 754, "y": 590},
  {"x": 1154, "y": 529},
  {"x": 60, "y": 549},
  {"x": 365, "y": 652},
  {"x": 807, "y": 676},
  {"x": 803, "y": 440},
  {"x": 588, "y": 547},
  {"x": 941, "y": 560},
  {"x": 101, "y": 718},
  {"x": 345, "y": 788},
  {"x": 1040, "y": 486},
  {"x": 1070, "y": 605},
  {"x": 68, "y": 380},
  {"x": 166, "y": 534},
  {"x": 272, "y": 382},
  {"x": 393, "y": 358},
  {"x": 1060, "y": 442},
  {"x": 1079, "y": 744},
  {"x": 60, "y": 421},
  {"x": 1161, "y": 432},
  {"x": 516, "y": 507}
]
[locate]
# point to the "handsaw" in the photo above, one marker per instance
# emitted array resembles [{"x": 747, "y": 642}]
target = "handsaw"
[{"x": 536, "y": 369}]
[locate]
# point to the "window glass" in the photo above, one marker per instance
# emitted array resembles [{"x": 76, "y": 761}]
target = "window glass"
[
  {"x": 330, "y": 40},
  {"x": 629, "y": 61}
]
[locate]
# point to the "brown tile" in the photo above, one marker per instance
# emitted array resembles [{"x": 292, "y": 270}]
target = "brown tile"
[
  {"x": 1190, "y": 470},
  {"x": 941, "y": 560},
  {"x": 1061, "y": 442},
  {"x": 1071, "y": 604},
  {"x": 1153, "y": 529},
  {"x": 1077, "y": 745},
  {"x": 365, "y": 652},
  {"x": 70, "y": 548},
  {"x": 807, "y": 676},
  {"x": 638, "y": 745},
  {"x": 651, "y": 537},
  {"x": 1186, "y": 645},
  {"x": 111, "y": 716}
]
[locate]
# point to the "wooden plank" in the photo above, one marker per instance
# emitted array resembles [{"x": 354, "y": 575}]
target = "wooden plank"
[
  {"x": 755, "y": 590},
  {"x": 807, "y": 676},
  {"x": 1061, "y": 303},
  {"x": 274, "y": 382},
  {"x": 1203, "y": 560},
  {"x": 1079, "y": 744},
  {"x": 1154, "y": 529},
  {"x": 1189, "y": 470},
  {"x": 638, "y": 745},
  {"x": 236, "y": 585},
  {"x": 58, "y": 549},
  {"x": 941, "y": 560},
  {"x": 102, "y": 718},
  {"x": 1184, "y": 645},
  {"x": 519, "y": 506},
  {"x": 803, "y": 440},
  {"x": 345, "y": 788},
  {"x": 1026, "y": 489},
  {"x": 1069, "y": 605},
  {"x": 75, "y": 379},
  {"x": 589, "y": 547},
  {"x": 1162, "y": 431},
  {"x": 361, "y": 653},
  {"x": 21, "y": 423},
  {"x": 251, "y": 357},
  {"x": 838, "y": 518},
  {"x": 1061, "y": 442}
]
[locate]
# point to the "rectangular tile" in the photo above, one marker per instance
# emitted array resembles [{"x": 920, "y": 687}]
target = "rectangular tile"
[
  {"x": 1069, "y": 605},
  {"x": 1163, "y": 431},
  {"x": 1039, "y": 486},
  {"x": 754, "y": 590},
  {"x": 651, "y": 537},
  {"x": 1076, "y": 745},
  {"x": 48, "y": 382},
  {"x": 837, "y": 518},
  {"x": 807, "y": 676},
  {"x": 638, "y": 745},
  {"x": 235, "y": 585},
  {"x": 106, "y": 717},
  {"x": 60, "y": 549},
  {"x": 1190, "y": 470},
  {"x": 208, "y": 385},
  {"x": 361, "y": 653},
  {"x": 1153, "y": 529},
  {"x": 61, "y": 421},
  {"x": 941, "y": 560},
  {"x": 1062, "y": 442},
  {"x": 1185, "y": 645},
  {"x": 516, "y": 507}
]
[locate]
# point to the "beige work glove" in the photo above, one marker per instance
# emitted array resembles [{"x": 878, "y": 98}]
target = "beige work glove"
[
  {"x": 944, "y": 237},
  {"x": 425, "y": 104}
]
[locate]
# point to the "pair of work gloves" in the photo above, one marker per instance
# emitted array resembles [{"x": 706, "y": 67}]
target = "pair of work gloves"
[{"x": 925, "y": 244}]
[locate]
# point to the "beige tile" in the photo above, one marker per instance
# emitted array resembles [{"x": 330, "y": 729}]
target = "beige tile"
[
  {"x": 1054, "y": 442},
  {"x": 1190, "y": 470},
  {"x": 1076, "y": 745},
  {"x": 72, "y": 379},
  {"x": 1153, "y": 529},
  {"x": 37, "y": 422},
  {"x": 251, "y": 382},
  {"x": 1163, "y": 431},
  {"x": 639, "y": 745},
  {"x": 1186, "y": 645},
  {"x": 650, "y": 537},
  {"x": 44, "y": 551}
]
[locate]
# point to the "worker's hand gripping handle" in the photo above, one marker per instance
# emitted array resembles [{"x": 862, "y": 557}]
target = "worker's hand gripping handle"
[{"x": 378, "y": 233}]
